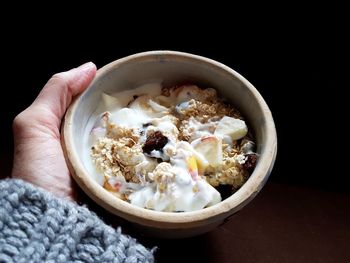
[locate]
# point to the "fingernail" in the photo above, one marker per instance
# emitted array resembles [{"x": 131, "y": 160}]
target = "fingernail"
[{"x": 86, "y": 66}]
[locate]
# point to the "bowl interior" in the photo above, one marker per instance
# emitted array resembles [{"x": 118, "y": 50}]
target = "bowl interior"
[{"x": 171, "y": 68}]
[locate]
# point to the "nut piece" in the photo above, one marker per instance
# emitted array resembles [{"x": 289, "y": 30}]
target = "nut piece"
[{"x": 155, "y": 141}]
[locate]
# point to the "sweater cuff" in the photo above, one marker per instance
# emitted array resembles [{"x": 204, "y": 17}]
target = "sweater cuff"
[{"x": 35, "y": 226}]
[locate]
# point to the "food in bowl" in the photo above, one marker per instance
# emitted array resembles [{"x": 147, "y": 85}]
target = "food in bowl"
[
  {"x": 171, "y": 149},
  {"x": 170, "y": 67}
]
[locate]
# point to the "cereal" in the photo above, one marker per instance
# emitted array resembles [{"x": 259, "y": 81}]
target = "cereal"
[{"x": 168, "y": 152}]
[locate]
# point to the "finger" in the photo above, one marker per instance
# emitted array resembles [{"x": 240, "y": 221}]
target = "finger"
[{"x": 57, "y": 94}]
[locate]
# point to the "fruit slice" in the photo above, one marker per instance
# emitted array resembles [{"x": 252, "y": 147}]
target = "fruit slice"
[
  {"x": 211, "y": 149},
  {"x": 235, "y": 128},
  {"x": 192, "y": 167}
]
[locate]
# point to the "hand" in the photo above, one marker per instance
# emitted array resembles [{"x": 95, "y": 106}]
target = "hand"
[{"x": 38, "y": 155}]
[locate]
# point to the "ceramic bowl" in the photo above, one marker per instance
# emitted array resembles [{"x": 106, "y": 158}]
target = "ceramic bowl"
[{"x": 171, "y": 67}]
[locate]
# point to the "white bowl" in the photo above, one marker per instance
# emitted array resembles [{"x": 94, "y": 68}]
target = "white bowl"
[{"x": 171, "y": 67}]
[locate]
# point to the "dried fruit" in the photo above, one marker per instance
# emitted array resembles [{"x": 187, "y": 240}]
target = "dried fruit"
[
  {"x": 250, "y": 162},
  {"x": 155, "y": 141}
]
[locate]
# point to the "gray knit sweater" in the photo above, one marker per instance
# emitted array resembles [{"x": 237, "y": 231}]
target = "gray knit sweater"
[{"x": 37, "y": 227}]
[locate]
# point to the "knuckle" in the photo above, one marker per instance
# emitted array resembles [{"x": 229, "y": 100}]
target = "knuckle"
[
  {"x": 58, "y": 78},
  {"x": 20, "y": 121}
]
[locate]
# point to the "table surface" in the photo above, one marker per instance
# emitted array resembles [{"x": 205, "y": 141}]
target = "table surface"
[{"x": 284, "y": 223}]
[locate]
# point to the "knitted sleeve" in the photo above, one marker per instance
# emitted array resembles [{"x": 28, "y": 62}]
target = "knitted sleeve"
[{"x": 37, "y": 227}]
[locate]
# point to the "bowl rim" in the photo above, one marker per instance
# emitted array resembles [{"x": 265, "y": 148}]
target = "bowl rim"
[{"x": 170, "y": 219}]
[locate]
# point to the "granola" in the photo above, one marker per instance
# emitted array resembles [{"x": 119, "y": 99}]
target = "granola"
[{"x": 167, "y": 150}]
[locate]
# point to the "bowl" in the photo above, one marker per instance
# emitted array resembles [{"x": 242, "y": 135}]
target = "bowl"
[{"x": 171, "y": 67}]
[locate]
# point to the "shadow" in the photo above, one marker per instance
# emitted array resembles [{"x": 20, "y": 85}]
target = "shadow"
[{"x": 194, "y": 249}]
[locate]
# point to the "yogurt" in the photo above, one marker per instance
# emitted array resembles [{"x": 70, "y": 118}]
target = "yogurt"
[{"x": 161, "y": 148}]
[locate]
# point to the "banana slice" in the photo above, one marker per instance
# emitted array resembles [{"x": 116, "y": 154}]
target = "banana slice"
[{"x": 235, "y": 128}]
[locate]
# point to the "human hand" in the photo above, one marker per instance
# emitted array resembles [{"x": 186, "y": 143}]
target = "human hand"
[{"x": 38, "y": 155}]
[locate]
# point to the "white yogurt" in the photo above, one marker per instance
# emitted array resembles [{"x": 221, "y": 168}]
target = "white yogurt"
[{"x": 175, "y": 184}]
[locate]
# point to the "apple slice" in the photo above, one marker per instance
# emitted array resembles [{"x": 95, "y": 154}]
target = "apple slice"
[
  {"x": 235, "y": 128},
  {"x": 211, "y": 149}
]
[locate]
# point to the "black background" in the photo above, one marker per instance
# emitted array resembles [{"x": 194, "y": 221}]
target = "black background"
[
  {"x": 298, "y": 74},
  {"x": 302, "y": 213}
]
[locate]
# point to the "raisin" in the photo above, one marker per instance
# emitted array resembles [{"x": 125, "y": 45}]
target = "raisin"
[
  {"x": 155, "y": 141},
  {"x": 250, "y": 162}
]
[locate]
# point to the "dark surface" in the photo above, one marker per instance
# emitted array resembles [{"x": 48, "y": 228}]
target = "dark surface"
[
  {"x": 301, "y": 87},
  {"x": 283, "y": 224},
  {"x": 302, "y": 214}
]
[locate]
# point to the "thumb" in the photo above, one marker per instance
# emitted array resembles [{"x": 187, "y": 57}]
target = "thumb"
[
  {"x": 57, "y": 94},
  {"x": 47, "y": 110}
]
